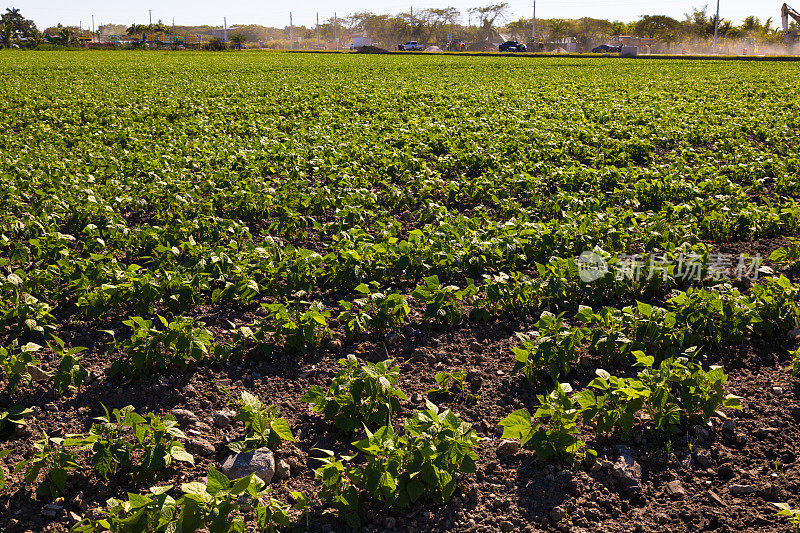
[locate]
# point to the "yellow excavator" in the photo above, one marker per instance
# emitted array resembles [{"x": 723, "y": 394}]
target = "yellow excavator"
[{"x": 789, "y": 38}]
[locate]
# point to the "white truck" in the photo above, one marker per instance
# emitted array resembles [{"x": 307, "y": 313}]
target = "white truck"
[{"x": 410, "y": 45}]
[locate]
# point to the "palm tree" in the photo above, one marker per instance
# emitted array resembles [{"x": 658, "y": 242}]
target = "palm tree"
[
  {"x": 137, "y": 29},
  {"x": 751, "y": 26},
  {"x": 19, "y": 26},
  {"x": 160, "y": 29},
  {"x": 238, "y": 39},
  {"x": 14, "y": 18},
  {"x": 727, "y": 29}
]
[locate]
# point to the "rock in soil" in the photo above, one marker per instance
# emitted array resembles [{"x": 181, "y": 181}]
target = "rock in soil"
[
  {"x": 78, "y": 501},
  {"x": 725, "y": 472},
  {"x": 675, "y": 490},
  {"x": 763, "y": 433},
  {"x": 335, "y": 345},
  {"x": 714, "y": 499},
  {"x": 703, "y": 458},
  {"x": 260, "y": 462},
  {"x": 741, "y": 490},
  {"x": 627, "y": 472},
  {"x": 200, "y": 446},
  {"x": 37, "y": 374},
  {"x": 507, "y": 447},
  {"x": 770, "y": 492},
  {"x": 557, "y": 514},
  {"x": 202, "y": 426},
  {"x": 224, "y": 418},
  {"x": 282, "y": 469},
  {"x": 51, "y": 510},
  {"x": 474, "y": 378},
  {"x": 185, "y": 417}
]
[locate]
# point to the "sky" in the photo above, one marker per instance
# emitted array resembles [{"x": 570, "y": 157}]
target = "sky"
[{"x": 274, "y": 13}]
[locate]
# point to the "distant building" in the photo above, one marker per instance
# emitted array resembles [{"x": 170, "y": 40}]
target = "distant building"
[{"x": 360, "y": 41}]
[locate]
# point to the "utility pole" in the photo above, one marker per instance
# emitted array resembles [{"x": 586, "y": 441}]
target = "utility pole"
[
  {"x": 335, "y": 29},
  {"x": 225, "y": 28},
  {"x": 92, "y": 28},
  {"x": 151, "y": 16},
  {"x": 317, "y": 29},
  {"x": 291, "y": 32},
  {"x": 533, "y": 35},
  {"x": 716, "y": 28},
  {"x": 412, "y": 24}
]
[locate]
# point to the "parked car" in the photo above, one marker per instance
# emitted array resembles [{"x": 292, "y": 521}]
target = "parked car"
[
  {"x": 605, "y": 48},
  {"x": 410, "y": 45},
  {"x": 513, "y": 46}
]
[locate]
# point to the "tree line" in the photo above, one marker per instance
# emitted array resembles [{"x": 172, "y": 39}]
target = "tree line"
[
  {"x": 432, "y": 26},
  {"x": 490, "y": 23}
]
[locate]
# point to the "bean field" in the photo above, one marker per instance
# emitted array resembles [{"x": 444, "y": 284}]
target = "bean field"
[{"x": 343, "y": 292}]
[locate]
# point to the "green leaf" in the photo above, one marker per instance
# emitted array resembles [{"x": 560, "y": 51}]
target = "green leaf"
[
  {"x": 180, "y": 454},
  {"x": 415, "y": 490},
  {"x": 217, "y": 481},
  {"x": 517, "y": 425},
  {"x": 137, "y": 501},
  {"x": 281, "y": 427},
  {"x": 194, "y": 487},
  {"x": 643, "y": 360},
  {"x": 645, "y": 309},
  {"x": 58, "y": 477},
  {"x": 241, "y": 485}
]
